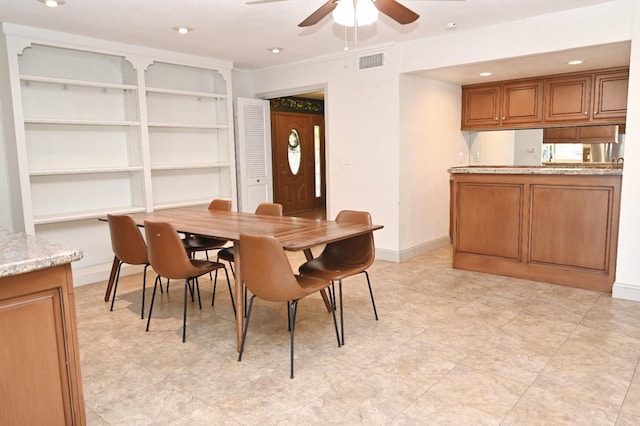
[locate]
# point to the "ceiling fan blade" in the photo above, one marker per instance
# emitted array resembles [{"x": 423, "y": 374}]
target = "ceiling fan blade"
[
  {"x": 317, "y": 16},
  {"x": 396, "y": 11}
]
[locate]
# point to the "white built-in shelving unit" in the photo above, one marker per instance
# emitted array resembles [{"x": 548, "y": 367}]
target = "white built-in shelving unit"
[
  {"x": 188, "y": 135},
  {"x": 97, "y": 127}
]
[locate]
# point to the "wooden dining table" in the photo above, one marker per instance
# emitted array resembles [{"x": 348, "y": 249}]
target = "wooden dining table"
[{"x": 293, "y": 233}]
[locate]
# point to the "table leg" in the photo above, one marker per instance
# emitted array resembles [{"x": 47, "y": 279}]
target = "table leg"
[
  {"x": 239, "y": 295},
  {"x": 112, "y": 278},
  {"x": 323, "y": 292}
]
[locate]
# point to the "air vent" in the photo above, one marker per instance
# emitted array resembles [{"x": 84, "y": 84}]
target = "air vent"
[{"x": 371, "y": 61}]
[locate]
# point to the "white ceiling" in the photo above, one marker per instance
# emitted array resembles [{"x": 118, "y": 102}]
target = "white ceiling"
[{"x": 241, "y": 31}]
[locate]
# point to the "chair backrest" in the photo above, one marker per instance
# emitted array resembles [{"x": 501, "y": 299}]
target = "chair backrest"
[
  {"x": 218, "y": 204},
  {"x": 358, "y": 250},
  {"x": 266, "y": 270},
  {"x": 126, "y": 240},
  {"x": 269, "y": 209},
  {"x": 167, "y": 255}
]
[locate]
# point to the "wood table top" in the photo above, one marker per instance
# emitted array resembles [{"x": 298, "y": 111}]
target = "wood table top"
[{"x": 293, "y": 233}]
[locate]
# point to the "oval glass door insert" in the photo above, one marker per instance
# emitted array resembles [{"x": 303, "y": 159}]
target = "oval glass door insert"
[{"x": 293, "y": 151}]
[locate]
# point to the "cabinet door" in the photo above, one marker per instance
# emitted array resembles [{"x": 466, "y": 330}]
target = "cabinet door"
[
  {"x": 581, "y": 134},
  {"x": 522, "y": 103},
  {"x": 568, "y": 98},
  {"x": 481, "y": 107},
  {"x": 610, "y": 100}
]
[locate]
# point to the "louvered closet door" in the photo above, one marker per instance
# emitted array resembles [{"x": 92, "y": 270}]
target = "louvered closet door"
[{"x": 255, "y": 183}]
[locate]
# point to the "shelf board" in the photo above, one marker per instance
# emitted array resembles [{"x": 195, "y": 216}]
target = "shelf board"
[
  {"x": 81, "y": 122},
  {"x": 90, "y": 171},
  {"x": 188, "y": 126},
  {"x": 190, "y": 166},
  {"x": 186, "y": 93},
  {"x": 86, "y": 214},
  {"x": 83, "y": 83},
  {"x": 186, "y": 203}
]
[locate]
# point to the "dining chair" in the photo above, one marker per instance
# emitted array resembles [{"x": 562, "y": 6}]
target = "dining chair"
[
  {"x": 195, "y": 243},
  {"x": 169, "y": 259},
  {"x": 227, "y": 254},
  {"x": 267, "y": 273},
  {"x": 128, "y": 247},
  {"x": 345, "y": 258}
]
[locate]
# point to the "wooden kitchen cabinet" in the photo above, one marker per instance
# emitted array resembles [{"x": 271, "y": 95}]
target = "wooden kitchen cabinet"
[
  {"x": 549, "y": 227},
  {"x": 575, "y": 99},
  {"x": 499, "y": 105},
  {"x": 611, "y": 91},
  {"x": 39, "y": 359},
  {"x": 581, "y": 134},
  {"x": 481, "y": 106},
  {"x": 567, "y": 98}
]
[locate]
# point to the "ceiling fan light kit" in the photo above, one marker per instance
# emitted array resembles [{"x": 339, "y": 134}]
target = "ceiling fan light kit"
[
  {"x": 363, "y": 12},
  {"x": 350, "y": 13}
]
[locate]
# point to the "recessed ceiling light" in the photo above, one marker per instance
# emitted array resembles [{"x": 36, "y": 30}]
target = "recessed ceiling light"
[
  {"x": 183, "y": 30},
  {"x": 575, "y": 62},
  {"x": 485, "y": 74},
  {"x": 52, "y": 3},
  {"x": 275, "y": 49}
]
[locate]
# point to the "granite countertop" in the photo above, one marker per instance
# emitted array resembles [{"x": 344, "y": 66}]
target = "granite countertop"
[
  {"x": 539, "y": 170},
  {"x": 21, "y": 253}
]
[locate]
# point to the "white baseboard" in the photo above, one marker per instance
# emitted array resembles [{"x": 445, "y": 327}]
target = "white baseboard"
[
  {"x": 97, "y": 273},
  {"x": 404, "y": 255},
  {"x": 626, "y": 291}
]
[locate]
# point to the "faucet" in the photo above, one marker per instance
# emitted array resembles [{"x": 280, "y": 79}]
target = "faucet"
[{"x": 617, "y": 162}]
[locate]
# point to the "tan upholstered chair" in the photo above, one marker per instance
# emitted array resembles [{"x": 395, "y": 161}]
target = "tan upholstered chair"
[
  {"x": 226, "y": 254},
  {"x": 345, "y": 258},
  {"x": 129, "y": 247},
  {"x": 267, "y": 273},
  {"x": 169, "y": 259}
]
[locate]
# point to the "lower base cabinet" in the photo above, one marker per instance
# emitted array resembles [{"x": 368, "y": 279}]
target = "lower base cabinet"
[
  {"x": 561, "y": 229},
  {"x": 40, "y": 381}
]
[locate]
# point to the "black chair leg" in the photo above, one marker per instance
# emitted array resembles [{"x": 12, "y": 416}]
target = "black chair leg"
[
  {"x": 198, "y": 290},
  {"x": 292, "y": 326},
  {"x": 341, "y": 312},
  {"x": 153, "y": 298},
  {"x": 144, "y": 287},
  {"x": 215, "y": 285},
  {"x": 332, "y": 299},
  {"x": 115, "y": 286},
  {"x": 184, "y": 315},
  {"x": 373, "y": 302},
  {"x": 246, "y": 327}
]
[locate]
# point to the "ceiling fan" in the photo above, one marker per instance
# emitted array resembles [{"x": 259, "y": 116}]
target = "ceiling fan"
[{"x": 391, "y": 8}]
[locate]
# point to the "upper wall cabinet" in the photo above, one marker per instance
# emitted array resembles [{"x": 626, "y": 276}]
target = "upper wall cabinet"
[{"x": 591, "y": 98}]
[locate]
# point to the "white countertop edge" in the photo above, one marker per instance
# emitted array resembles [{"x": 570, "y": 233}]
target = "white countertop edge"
[
  {"x": 21, "y": 253},
  {"x": 506, "y": 170}
]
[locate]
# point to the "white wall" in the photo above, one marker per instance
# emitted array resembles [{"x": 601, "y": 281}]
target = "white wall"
[
  {"x": 362, "y": 127},
  {"x": 430, "y": 143},
  {"x": 494, "y": 148},
  {"x": 528, "y": 147},
  {"x": 603, "y": 23},
  {"x": 627, "y": 283}
]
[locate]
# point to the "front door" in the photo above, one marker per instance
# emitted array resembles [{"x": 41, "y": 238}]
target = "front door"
[{"x": 297, "y": 159}]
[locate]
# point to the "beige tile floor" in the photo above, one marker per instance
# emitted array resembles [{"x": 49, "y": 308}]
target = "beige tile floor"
[{"x": 451, "y": 347}]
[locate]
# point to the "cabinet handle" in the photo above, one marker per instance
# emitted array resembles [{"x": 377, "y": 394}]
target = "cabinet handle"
[
  {"x": 586, "y": 113},
  {"x": 504, "y": 118},
  {"x": 496, "y": 118}
]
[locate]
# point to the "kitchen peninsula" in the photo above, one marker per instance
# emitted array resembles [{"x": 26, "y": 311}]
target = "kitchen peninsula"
[
  {"x": 549, "y": 224},
  {"x": 40, "y": 380}
]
